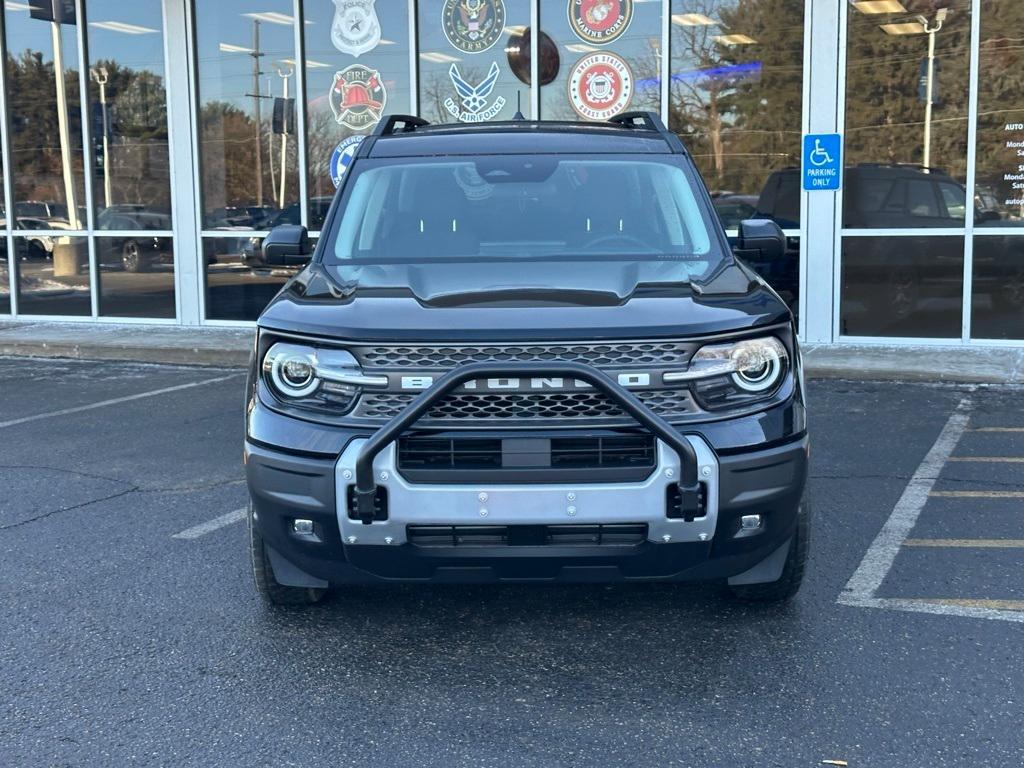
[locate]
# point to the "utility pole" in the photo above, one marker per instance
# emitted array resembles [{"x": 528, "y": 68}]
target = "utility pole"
[
  {"x": 931, "y": 30},
  {"x": 257, "y": 109}
]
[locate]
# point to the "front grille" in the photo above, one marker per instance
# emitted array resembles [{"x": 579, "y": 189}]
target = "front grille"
[
  {"x": 474, "y": 453},
  {"x": 443, "y": 358},
  {"x": 463, "y": 407},
  {"x": 614, "y": 534}
]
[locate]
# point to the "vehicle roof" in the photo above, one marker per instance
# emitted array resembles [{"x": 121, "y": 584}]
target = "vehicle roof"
[{"x": 520, "y": 137}]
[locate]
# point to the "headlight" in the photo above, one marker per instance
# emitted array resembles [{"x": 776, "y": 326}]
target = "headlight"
[
  {"x": 735, "y": 374},
  {"x": 321, "y": 379}
]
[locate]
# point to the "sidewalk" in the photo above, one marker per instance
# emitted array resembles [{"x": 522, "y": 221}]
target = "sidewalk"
[{"x": 229, "y": 347}]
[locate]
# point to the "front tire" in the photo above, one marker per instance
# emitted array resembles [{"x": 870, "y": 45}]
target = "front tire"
[
  {"x": 788, "y": 584},
  {"x": 131, "y": 257},
  {"x": 269, "y": 590}
]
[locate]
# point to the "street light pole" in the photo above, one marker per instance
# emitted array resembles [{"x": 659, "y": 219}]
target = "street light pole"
[
  {"x": 63, "y": 125},
  {"x": 284, "y": 73},
  {"x": 100, "y": 75},
  {"x": 931, "y": 29}
]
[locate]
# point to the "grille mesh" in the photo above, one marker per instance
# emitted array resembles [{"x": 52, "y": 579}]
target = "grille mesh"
[
  {"x": 462, "y": 407},
  {"x": 435, "y": 358}
]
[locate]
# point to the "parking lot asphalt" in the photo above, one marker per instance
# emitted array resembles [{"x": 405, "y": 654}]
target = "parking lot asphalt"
[{"x": 122, "y": 644}]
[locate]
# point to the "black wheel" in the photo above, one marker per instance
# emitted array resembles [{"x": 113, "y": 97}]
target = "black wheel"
[
  {"x": 131, "y": 257},
  {"x": 36, "y": 252},
  {"x": 263, "y": 574},
  {"x": 1009, "y": 296},
  {"x": 788, "y": 584}
]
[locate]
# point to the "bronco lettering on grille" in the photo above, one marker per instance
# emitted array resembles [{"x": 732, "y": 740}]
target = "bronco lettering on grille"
[{"x": 634, "y": 380}]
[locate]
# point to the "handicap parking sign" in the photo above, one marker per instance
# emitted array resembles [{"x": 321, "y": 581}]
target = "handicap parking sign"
[{"x": 822, "y": 161}]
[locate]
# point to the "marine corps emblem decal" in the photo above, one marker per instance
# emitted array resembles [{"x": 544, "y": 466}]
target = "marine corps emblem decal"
[{"x": 599, "y": 21}]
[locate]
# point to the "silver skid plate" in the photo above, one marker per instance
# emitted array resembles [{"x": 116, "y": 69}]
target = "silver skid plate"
[{"x": 523, "y": 504}]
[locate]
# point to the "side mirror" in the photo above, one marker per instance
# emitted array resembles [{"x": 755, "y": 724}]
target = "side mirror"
[
  {"x": 287, "y": 245},
  {"x": 760, "y": 239}
]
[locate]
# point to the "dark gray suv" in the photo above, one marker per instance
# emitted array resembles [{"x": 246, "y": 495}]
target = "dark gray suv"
[{"x": 524, "y": 351}]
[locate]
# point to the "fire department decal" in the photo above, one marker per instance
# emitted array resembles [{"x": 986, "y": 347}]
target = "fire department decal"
[
  {"x": 472, "y": 105},
  {"x": 600, "y": 21},
  {"x": 357, "y": 97},
  {"x": 355, "y": 28},
  {"x": 600, "y": 86},
  {"x": 342, "y": 156},
  {"x": 473, "y": 26}
]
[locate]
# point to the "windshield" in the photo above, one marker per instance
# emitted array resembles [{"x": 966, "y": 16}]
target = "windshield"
[{"x": 511, "y": 208}]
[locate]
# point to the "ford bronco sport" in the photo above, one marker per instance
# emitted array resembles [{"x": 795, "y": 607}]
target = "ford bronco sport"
[{"x": 524, "y": 351}]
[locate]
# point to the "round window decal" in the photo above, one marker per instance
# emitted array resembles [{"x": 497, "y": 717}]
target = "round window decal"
[
  {"x": 600, "y": 86},
  {"x": 342, "y": 157},
  {"x": 473, "y": 26},
  {"x": 600, "y": 21}
]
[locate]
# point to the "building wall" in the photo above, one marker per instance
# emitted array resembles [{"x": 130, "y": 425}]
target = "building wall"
[{"x": 148, "y": 147}]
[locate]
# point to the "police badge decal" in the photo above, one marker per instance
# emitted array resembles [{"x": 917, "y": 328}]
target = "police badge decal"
[
  {"x": 599, "y": 21},
  {"x": 357, "y": 97},
  {"x": 600, "y": 86},
  {"x": 473, "y": 26},
  {"x": 355, "y": 28}
]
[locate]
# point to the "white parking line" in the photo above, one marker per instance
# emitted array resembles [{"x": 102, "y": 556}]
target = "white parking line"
[
  {"x": 860, "y": 589},
  {"x": 115, "y": 401},
  {"x": 212, "y": 525}
]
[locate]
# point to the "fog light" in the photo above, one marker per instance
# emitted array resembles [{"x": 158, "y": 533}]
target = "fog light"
[
  {"x": 302, "y": 526},
  {"x": 750, "y": 522}
]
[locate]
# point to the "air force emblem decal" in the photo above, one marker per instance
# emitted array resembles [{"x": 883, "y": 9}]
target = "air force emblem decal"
[
  {"x": 472, "y": 105},
  {"x": 355, "y": 28}
]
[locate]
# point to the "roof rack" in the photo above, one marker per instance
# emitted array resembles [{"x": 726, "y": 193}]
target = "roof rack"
[
  {"x": 408, "y": 123},
  {"x": 648, "y": 121}
]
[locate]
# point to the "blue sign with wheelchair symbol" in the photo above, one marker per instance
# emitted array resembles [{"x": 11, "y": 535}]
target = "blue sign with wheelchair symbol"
[{"x": 822, "y": 161}]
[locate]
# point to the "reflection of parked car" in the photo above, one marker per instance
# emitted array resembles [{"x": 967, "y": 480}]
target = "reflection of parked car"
[
  {"x": 37, "y": 246},
  {"x": 888, "y": 274},
  {"x": 732, "y": 209},
  {"x": 136, "y": 252},
  {"x": 235, "y": 216},
  {"x": 252, "y": 253}
]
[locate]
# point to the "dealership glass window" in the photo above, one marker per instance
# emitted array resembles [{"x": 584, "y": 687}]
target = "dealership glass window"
[
  {"x": 607, "y": 62},
  {"x": 735, "y": 99},
  {"x": 356, "y": 70},
  {"x": 45, "y": 118},
  {"x": 999, "y": 164},
  {"x": 130, "y": 166},
  {"x": 473, "y": 59},
  {"x": 248, "y": 148},
  {"x": 906, "y": 164},
  {"x": 53, "y": 275},
  {"x": 135, "y": 275},
  {"x": 245, "y": 61},
  {"x": 902, "y": 286},
  {"x": 997, "y": 300}
]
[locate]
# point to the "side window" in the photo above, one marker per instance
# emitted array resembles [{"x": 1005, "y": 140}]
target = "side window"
[
  {"x": 921, "y": 200},
  {"x": 955, "y": 199}
]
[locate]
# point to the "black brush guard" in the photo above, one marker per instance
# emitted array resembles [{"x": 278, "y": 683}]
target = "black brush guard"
[{"x": 366, "y": 488}]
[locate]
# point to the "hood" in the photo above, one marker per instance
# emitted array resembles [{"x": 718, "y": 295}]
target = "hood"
[{"x": 444, "y": 302}]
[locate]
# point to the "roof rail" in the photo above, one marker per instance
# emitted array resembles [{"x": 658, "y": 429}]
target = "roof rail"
[
  {"x": 649, "y": 121},
  {"x": 389, "y": 126}
]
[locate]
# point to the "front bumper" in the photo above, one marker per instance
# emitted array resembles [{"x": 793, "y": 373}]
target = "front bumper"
[{"x": 770, "y": 482}]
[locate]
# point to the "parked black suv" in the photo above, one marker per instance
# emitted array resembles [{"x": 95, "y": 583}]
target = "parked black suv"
[{"x": 525, "y": 351}]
